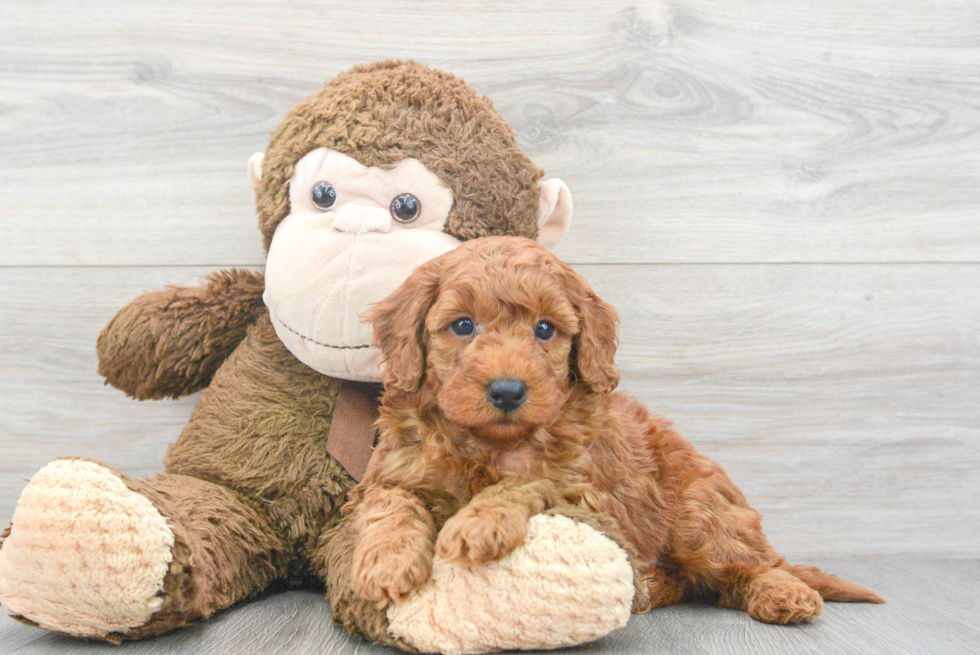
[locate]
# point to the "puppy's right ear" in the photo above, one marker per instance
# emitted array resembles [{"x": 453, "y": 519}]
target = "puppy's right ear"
[{"x": 399, "y": 327}]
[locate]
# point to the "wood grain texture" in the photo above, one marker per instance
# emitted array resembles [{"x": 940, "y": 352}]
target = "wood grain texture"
[
  {"x": 842, "y": 399},
  {"x": 688, "y": 130},
  {"x": 931, "y": 608}
]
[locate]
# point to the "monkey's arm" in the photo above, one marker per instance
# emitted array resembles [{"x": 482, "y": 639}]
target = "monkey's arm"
[{"x": 169, "y": 343}]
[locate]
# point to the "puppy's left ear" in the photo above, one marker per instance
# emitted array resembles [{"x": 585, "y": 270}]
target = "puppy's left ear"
[
  {"x": 595, "y": 346},
  {"x": 399, "y": 327}
]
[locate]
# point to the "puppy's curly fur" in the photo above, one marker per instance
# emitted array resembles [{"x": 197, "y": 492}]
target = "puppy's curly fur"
[{"x": 451, "y": 463}]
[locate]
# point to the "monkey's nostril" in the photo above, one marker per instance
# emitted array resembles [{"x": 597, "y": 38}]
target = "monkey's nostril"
[{"x": 507, "y": 394}]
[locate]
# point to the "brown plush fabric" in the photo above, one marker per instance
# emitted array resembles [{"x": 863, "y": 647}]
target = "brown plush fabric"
[
  {"x": 169, "y": 343},
  {"x": 260, "y": 429},
  {"x": 225, "y": 549},
  {"x": 382, "y": 113},
  {"x": 352, "y": 434}
]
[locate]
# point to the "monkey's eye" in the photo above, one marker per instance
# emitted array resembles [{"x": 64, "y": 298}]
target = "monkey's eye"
[
  {"x": 324, "y": 196},
  {"x": 405, "y": 208},
  {"x": 462, "y": 327},
  {"x": 544, "y": 330}
]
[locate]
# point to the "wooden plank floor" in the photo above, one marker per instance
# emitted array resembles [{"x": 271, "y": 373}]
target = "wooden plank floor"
[
  {"x": 932, "y": 610},
  {"x": 781, "y": 197}
]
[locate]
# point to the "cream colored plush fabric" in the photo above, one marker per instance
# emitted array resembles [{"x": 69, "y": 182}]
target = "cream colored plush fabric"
[
  {"x": 325, "y": 267},
  {"x": 86, "y": 556},
  {"x": 531, "y": 599}
]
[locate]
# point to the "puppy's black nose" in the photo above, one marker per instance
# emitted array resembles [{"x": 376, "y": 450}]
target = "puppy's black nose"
[{"x": 506, "y": 394}]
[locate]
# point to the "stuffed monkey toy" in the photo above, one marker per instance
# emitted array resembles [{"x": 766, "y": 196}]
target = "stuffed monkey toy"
[{"x": 388, "y": 166}]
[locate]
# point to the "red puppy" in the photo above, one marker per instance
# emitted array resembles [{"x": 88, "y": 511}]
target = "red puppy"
[{"x": 499, "y": 404}]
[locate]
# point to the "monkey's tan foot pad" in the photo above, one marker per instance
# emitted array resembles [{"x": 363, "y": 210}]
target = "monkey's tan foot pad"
[
  {"x": 568, "y": 584},
  {"x": 86, "y": 556}
]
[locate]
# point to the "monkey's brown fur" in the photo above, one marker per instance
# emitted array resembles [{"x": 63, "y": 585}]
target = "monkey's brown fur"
[
  {"x": 382, "y": 113},
  {"x": 250, "y": 492},
  {"x": 454, "y": 475},
  {"x": 169, "y": 343}
]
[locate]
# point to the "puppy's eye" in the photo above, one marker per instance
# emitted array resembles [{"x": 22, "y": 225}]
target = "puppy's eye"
[
  {"x": 324, "y": 196},
  {"x": 544, "y": 330},
  {"x": 405, "y": 208},
  {"x": 462, "y": 327}
]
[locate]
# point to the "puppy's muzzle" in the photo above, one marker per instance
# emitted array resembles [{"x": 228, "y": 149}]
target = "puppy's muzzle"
[{"x": 507, "y": 394}]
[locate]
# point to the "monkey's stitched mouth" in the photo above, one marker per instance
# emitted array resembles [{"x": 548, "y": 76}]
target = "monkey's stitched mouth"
[{"x": 319, "y": 343}]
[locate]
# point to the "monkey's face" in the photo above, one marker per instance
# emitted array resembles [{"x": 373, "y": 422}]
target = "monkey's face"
[{"x": 354, "y": 233}]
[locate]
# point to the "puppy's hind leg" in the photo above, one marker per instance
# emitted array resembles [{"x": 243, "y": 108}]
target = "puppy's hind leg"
[
  {"x": 663, "y": 587},
  {"x": 718, "y": 542}
]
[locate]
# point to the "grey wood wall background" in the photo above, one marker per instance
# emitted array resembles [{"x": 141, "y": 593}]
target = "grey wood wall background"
[{"x": 781, "y": 197}]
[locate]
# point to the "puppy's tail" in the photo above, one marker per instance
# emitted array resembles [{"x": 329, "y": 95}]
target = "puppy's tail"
[{"x": 830, "y": 587}]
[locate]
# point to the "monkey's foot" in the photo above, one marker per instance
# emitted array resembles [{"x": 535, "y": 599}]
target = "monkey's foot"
[
  {"x": 568, "y": 584},
  {"x": 85, "y": 556}
]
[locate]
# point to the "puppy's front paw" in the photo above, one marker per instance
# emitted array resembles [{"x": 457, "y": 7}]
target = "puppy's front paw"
[
  {"x": 483, "y": 532},
  {"x": 390, "y": 570}
]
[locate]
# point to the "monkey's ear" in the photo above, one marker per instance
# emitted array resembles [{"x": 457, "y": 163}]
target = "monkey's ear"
[
  {"x": 399, "y": 327},
  {"x": 255, "y": 170},
  {"x": 554, "y": 211}
]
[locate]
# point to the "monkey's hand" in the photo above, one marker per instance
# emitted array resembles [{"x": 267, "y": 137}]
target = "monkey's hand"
[
  {"x": 569, "y": 583},
  {"x": 169, "y": 343}
]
